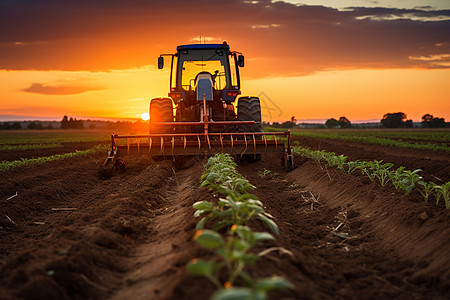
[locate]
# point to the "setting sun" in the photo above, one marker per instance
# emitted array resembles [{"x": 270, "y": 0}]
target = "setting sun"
[{"x": 145, "y": 116}]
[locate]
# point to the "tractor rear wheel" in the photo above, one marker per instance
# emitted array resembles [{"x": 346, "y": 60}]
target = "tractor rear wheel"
[
  {"x": 161, "y": 110},
  {"x": 249, "y": 109}
]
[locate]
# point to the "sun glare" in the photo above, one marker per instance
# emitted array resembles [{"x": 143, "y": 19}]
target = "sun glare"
[{"x": 145, "y": 116}]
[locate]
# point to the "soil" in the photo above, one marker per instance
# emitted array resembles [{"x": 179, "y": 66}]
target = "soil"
[{"x": 70, "y": 235}]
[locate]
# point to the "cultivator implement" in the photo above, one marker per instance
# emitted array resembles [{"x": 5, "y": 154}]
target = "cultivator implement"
[{"x": 201, "y": 144}]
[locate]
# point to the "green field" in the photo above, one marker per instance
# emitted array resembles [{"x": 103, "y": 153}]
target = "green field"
[
  {"x": 22, "y": 137},
  {"x": 17, "y": 140},
  {"x": 436, "y": 140}
]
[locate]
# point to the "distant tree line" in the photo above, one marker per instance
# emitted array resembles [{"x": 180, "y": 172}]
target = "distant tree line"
[
  {"x": 389, "y": 120},
  {"x": 39, "y": 126},
  {"x": 16, "y": 126},
  {"x": 13, "y": 126},
  {"x": 71, "y": 123},
  {"x": 398, "y": 120},
  {"x": 428, "y": 121},
  {"x": 342, "y": 123}
]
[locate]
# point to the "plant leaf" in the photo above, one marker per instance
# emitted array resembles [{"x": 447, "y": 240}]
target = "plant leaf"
[
  {"x": 269, "y": 223},
  {"x": 200, "y": 267},
  {"x": 268, "y": 284},
  {"x": 233, "y": 294},
  {"x": 203, "y": 205},
  {"x": 210, "y": 239}
]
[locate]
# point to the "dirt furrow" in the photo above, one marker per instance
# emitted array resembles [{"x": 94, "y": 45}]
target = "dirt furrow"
[
  {"x": 155, "y": 265},
  {"x": 80, "y": 253},
  {"x": 358, "y": 240}
]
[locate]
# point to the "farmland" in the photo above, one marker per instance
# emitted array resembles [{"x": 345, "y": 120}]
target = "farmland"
[{"x": 332, "y": 233}]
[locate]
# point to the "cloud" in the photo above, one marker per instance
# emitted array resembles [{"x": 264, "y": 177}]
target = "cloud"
[
  {"x": 290, "y": 39},
  {"x": 39, "y": 88},
  {"x": 417, "y": 14}
]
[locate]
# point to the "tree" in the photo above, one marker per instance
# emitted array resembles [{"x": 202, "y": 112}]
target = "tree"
[
  {"x": 332, "y": 123},
  {"x": 395, "y": 120},
  {"x": 344, "y": 122},
  {"x": 65, "y": 123},
  {"x": 438, "y": 123},
  {"x": 78, "y": 124},
  {"x": 16, "y": 125},
  {"x": 71, "y": 123},
  {"x": 33, "y": 125},
  {"x": 408, "y": 124},
  {"x": 428, "y": 121}
]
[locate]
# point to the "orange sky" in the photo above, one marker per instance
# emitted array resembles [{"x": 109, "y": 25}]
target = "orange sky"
[{"x": 97, "y": 58}]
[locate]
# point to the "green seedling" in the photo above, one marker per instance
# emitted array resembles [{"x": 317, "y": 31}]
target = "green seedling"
[
  {"x": 406, "y": 180},
  {"x": 427, "y": 189},
  {"x": 267, "y": 174},
  {"x": 444, "y": 192}
]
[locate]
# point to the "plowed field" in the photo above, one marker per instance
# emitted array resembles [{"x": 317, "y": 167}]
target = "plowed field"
[{"x": 70, "y": 235}]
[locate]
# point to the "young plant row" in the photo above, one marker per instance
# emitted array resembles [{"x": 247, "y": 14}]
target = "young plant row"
[
  {"x": 425, "y": 136},
  {"x": 54, "y": 137},
  {"x": 6, "y": 165},
  {"x": 28, "y": 147},
  {"x": 401, "y": 179},
  {"x": 224, "y": 230},
  {"x": 371, "y": 140}
]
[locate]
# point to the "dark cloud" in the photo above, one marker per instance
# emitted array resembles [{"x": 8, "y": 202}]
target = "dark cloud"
[
  {"x": 39, "y": 88},
  {"x": 277, "y": 38}
]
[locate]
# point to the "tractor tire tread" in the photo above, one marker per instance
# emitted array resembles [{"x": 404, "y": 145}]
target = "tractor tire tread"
[{"x": 162, "y": 107}]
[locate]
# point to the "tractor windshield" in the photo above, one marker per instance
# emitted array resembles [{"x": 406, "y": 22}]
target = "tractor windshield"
[{"x": 193, "y": 61}]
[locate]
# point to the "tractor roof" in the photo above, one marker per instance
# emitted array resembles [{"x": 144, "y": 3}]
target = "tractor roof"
[{"x": 204, "y": 46}]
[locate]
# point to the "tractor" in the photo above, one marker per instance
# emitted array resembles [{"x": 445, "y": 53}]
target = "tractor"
[{"x": 199, "y": 116}]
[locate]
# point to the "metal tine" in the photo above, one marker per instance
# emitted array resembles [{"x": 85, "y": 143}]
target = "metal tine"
[
  {"x": 150, "y": 142},
  {"x": 128, "y": 146},
  {"x": 245, "y": 139},
  {"x": 138, "y": 142},
  {"x": 209, "y": 144},
  {"x": 254, "y": 144},
  {"x": 173, "y": 146},
  {"x": 199, "y": 145},
  {"x": 185, "y": 140},
  {"x": 276, "y": 142},
  {"x": 221, "y": 141},
  {"x": 232, "y": 145},
  {"x": 265, "y": 142},
  {"x": 162, "y": 146}
]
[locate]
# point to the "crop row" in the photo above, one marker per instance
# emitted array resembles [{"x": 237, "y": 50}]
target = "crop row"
[
  {"x": 229, "y": 235},
  {"x": 371, "y": 140},
  {"x": 29, "y": 147},
  {"x": 431, "y": 136},
  {"x": 54, "y": 137},
  {"x": 6, "y": 165},
  {"x": 401, "y": 179}
]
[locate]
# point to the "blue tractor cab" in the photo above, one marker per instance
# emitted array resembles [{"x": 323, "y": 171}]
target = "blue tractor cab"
[{"x": 215, "y": 59}]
